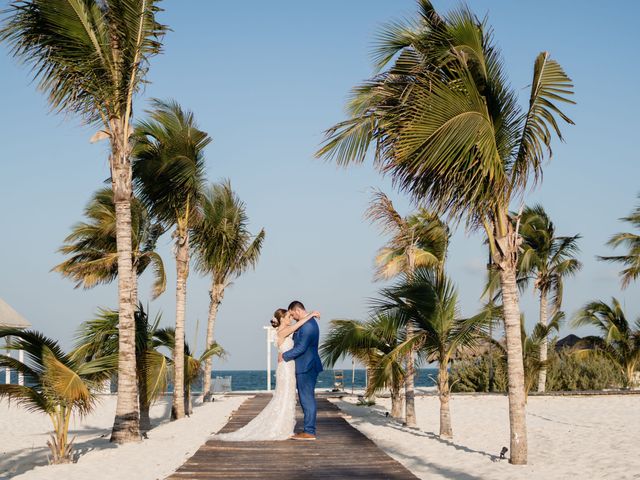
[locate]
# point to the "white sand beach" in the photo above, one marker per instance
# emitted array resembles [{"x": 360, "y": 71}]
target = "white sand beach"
[
  {"x": 23, "y": 437},
  {"x": 588, "y": 437}
]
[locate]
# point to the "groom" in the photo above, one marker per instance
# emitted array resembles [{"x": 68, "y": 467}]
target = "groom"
[{"x": 308, "y": 366}]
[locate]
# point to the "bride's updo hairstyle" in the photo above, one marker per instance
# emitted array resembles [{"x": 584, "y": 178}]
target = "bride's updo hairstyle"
[{"x": 278, "y": 315}]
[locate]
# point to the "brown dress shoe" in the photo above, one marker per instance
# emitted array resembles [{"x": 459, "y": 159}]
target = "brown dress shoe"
[{"x": 303, "y": 436}]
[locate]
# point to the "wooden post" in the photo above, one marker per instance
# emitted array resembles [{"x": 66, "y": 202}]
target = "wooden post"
[
  {"x": 20, "y": 375},
  {"x": 353, "y": 373},
  {"x": 7, "y": 371},
  {"x": 268, "y": 329}
]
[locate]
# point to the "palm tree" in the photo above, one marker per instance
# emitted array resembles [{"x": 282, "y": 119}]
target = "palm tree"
[
  {"x": 419, "y": 240},
  {"x": 91, "y": 57},
  {"x": 533, "y": 346},
  {"x": 92, "y": 245},
  {"x": 193, "y": 366},
  {"x": 631, "y": 242},
  {"x": 548, "y": 260},
  {"x": 168, "y": 170},
  {"x": 98, "y": 338},
  {"x": 224, "y": 248},
  {"x": 370, "y": 343},
  {"x": 56, "y": 385},
  {"x": 619, "y": 341},
  {"x": 429, "y": 301},
  {"x": 448, "y": 129}
]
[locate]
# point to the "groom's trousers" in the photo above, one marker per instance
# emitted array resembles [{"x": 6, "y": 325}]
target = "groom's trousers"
[{"x": 306, "y": 383}]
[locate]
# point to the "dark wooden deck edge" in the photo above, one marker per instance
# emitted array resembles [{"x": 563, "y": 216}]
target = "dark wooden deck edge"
[{"x": 340, "y": 452}]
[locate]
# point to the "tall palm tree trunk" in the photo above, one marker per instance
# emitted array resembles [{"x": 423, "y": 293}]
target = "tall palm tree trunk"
[
  {"x": 182, "y": 267},
  {"x": 517, "y": 395},
  {"x": 369, "y": 393},
  {"x": 396, "y": 402},
  {"x": 144, "y": 404},
  {"x": 446, "y": 431},
  {"x": 188, "y": 403},
  {"x": 409, "y": 387},
  {"x": 216, "y": 294},
  {"x": 126, "y": 423},
  {"x": 542, "y": 375}
]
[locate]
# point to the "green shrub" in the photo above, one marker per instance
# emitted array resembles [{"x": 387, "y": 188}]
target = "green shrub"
[
  {"x": 473, "y": 375},
  {"x": 566, "y": 371}
]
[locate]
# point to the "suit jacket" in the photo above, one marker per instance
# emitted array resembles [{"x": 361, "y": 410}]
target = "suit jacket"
[{"x": 305, "y": 348}]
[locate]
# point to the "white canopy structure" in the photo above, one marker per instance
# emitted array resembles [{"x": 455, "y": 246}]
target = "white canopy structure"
[{"x": 12, "y": 319}]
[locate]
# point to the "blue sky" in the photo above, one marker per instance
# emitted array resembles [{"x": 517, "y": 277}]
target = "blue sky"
[{"x": 265, "y": 79}]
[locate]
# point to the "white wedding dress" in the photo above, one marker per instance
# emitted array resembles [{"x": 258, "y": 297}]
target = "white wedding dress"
[{"x": 278, "y": 419}]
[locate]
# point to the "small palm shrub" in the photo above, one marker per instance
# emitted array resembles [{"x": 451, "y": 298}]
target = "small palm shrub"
[{"x": 57, "y": 384}]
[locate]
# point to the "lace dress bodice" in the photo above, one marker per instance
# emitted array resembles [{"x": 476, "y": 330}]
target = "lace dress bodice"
[
  {"x": 287, "y": 344},
  {"x": 278, "y": 419}
]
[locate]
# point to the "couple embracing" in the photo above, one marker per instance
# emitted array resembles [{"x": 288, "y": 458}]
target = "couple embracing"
[{"x": 299, "y": 364}]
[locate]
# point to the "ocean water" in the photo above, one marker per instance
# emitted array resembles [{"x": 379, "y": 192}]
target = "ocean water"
[
  {"x": 244, "y": 380},
  {"x": 247, "y": 380}
]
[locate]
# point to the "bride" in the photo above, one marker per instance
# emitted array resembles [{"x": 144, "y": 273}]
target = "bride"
[{"x": 278, "y": 419}]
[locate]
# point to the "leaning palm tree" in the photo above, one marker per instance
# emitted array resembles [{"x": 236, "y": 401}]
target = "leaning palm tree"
[
  {"x": 429, "y": 301},
  {"x": 631, "y": 241},
  {"x": 370, "y": 342},
  {"x": 98, "y": 338},
  {"x": 548, "y": 260},
  {"x": 193, "y": 366},
  {"x": 224, "y": 249},
  {"x": 56, "y": 384},
  {"x": 620, "y": 341},
  {"x": 91, "y": 57},
  {"x": 92, "y": 251},
  {"x": 168, "y": 170},
  {"x": 447, "y": 127},
  {"x": 419, "y": 240}
]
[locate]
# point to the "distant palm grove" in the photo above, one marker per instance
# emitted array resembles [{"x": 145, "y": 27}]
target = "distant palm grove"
[{"x": 438, "y": 117}]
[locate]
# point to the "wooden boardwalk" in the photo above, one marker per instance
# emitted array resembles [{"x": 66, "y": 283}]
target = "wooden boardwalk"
[{"x": 340, "y": 452}]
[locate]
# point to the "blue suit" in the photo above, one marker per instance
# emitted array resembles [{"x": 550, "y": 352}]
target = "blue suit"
[{"x": 308, "y": 366}]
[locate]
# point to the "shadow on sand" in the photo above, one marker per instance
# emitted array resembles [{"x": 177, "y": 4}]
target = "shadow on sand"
[
  {"x": 380, "y": 419},
  {"x": 17, "y": 462}
]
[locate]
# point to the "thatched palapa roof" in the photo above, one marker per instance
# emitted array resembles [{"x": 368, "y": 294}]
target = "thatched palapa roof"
[{"x": 10, "y": 318}]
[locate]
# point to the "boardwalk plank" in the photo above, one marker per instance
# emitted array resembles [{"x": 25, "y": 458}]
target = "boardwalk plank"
[{"x": 340, "y": 452}]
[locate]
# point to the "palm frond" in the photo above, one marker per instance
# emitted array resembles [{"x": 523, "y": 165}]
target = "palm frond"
[
  {"x": 168, "y": 163},
  {"x": 222, "y": 243},
  {"x": 159, "y": 274},
  {"x": 91, "y": 247},
  {"x": 550, "y": 86},
  {"x": 27, "y": 397},
  {"x": 65, "y": 383},
  {"x": 382, "y": 212},
  {"x": 157, "y": 373},
  {"x": 631, "y": 242},
  {"x": 88, "y": 56}
]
